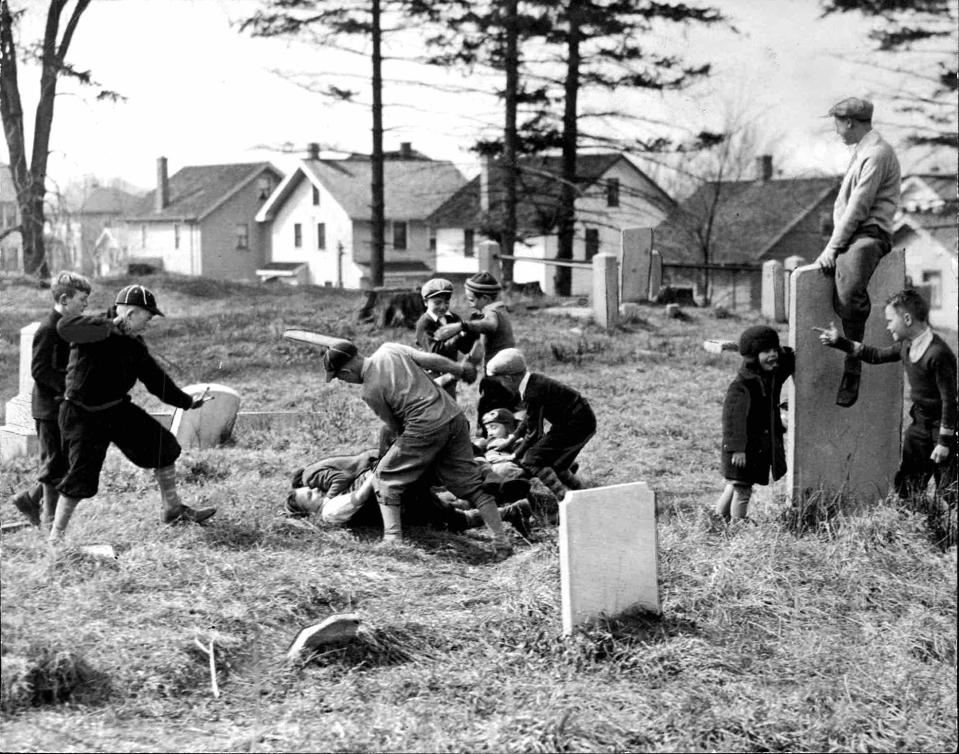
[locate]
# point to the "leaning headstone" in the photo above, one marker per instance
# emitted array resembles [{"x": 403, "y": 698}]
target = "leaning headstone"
[
  {"x": 774, "y": 291},
  {"x": 487, "y": 255},
  {"x": 333, "y": 631},
  {"x": 605, "y": 290},
  {"x": 634, "y": 260},
  {"x": 655, "y": 274},
  {"x": 608, "y": 554},
  {"x": 18, "y": 435},
  {"x": 830, "y": 450},
  {"x": 212, "y": 423}
]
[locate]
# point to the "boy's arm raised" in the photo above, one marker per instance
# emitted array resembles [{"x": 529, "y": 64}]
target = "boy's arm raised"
[{"x": 84, "y": 328}]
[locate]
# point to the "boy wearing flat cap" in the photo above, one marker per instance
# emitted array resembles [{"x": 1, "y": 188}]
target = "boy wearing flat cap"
[
  {"x": 107, "y": 357},
  {"x": 863, "y": 217},
  {"x": 752, "y": 422},
  {"x": 432, "y": 434},
  {"x": 436, "y": 294},
  {"x": 546, "y": 454}
]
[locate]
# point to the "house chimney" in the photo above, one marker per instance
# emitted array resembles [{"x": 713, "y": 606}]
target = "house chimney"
[
  {"x": 486, "y": 168},
  {"x": 162, "y": 198},
  {"x": 312, "y": 151},
  {"x": 406, "y": 150},
  {"x": 764, "y": 167}
]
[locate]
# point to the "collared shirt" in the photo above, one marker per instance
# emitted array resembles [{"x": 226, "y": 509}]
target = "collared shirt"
[
  {"x": 919, "y": 345},
  {"x": 522, "y": 385},
  {"x": 869, "y": 194},
  {"x": 440, "y": 320}
]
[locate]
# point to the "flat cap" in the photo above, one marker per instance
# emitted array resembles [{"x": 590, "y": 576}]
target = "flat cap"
[
  {"x": 853, "y": 107},
  {"x": 436, "y": 287},
  {"x": 337, "y": 356},
  {"x": 507, "y": 361}
]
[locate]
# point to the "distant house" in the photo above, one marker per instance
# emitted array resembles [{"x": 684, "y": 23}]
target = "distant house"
[
  {"x": 104, "y": 237},
  {"x": 11, "y": 243},
  {"x": 927, "y": 228},
  {"x": 201, "y": 220},
  {"x": 320, "y": 218},
  {"x": 743, "y": 224},
  {"x": 612, "y": 194}
]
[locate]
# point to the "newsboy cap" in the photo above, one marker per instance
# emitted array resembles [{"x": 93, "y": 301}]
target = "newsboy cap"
[
  {"x": 337, "y": 356},
  {"x": 757, "y": 339},
  {"x": 853, "y": 107},
  {"x": 499, "y": 416},
  {"x": 137, "y": 295},
  {"x": 507, "y": 361},
  {"x": 484, "y": 284},
  {"x": 436, "y": 287}
]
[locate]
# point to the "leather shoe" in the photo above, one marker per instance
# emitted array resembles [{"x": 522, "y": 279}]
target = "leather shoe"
[
  {"x": 187, "y": 515},
  {"x": 848, "y": 389},
  {"x": 28, "y": 503},
  {"x": 518, "y": 514}
]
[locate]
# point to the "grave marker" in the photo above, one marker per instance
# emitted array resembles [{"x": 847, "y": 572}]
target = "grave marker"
[
  {"x": 634, "y": 260},
  {"x": 774, "y": 291},
  {"x": 608, "y": 552},
  {"x": 605, "y": 290},
  {"x": 655, "y": 274},
  {"x": 854, "y": 450},
  {"x": 487, "y": 255},
  {"x": 212, "y": 423},
  {"x": 18, "y": 436}
]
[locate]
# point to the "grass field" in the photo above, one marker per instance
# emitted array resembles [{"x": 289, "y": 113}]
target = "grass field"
[{"x": 842, "y": 638}]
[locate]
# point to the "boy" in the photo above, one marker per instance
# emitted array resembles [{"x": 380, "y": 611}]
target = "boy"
[
  {"x": 502, "y": 438},
  {"x": 49, "y": 370},
  {"x": 489, "y": 322},
  {"x": 431, "y": 432},
  {"x": 436, "y": 294},
  {"x": 547, "y": 455},
  {"x": 929, "y": 442},
  {"x": 108, "y": 356},
  {"x": 752, "y": 424}
]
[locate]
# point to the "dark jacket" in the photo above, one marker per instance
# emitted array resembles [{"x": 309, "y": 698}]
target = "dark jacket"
[
  {"x": 752, "y": 422},
  {"x": 51, "y": 353},
  {"x": 452, "y": 348},
  {"x": 566, "y": 410},
  {"x": 105, "y": 365}
]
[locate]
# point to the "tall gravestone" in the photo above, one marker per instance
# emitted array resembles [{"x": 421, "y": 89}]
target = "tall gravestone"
[
  {"x": 831, "y": 449},
  {"x": 605, "y": 290},
  {"x": 655, "y": 274},
  {"x": 608, "y": 552},
  {"x": 18, "y": 436},
  {"x": 773, "y": 291},
  {"x": 789, "y": 264},
  {"x": 634, "y": 259}
]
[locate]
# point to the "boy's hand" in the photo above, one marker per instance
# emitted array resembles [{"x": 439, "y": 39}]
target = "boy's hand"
[
  {"x": 447, "y": 331},
  {"x": 468, "y": 372},
  {"x": 739, "y": 459},
  {"x": 828, "y": 336},
  {"x": 199, "y": 400},
  {"x": 119, "y": 325},
  {"x": 827, "y": 260},
  {"x": 940, "y": 454}
]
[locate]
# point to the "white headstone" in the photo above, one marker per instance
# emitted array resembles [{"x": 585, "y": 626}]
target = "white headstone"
[
  {"x": 851, "y": 450},
  {"x": 634, "y": 260},
  {"x": 18, "y": 435},
  {"x": 608, "y": 552},
  {"x": 774, "y": 291},
  {"x": 605, "y": 290},
  {"x": 211, "y": 424},
  {"x": 655, "y": 274}
]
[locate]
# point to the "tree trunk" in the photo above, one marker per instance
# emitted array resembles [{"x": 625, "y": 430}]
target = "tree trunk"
[
  {"x": 378, "y": 229},
  {"x": 508, "y": 237},
  {"x": 562, "y": 278}
]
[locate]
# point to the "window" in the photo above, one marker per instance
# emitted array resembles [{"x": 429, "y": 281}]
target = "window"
[
  {"x": 432, "y": 232},
  {"x": 242, "y": 236},
  {"x": 297, "y": 235},
  {"x": 399, "y": 235},
  {"x": 469, "y": 242},
  {"x": 592, "y": 242},
  {"x": 176, "y": 235},
  {"x": 264, "y": 186},
  {"x": 321, "y": 236},
  {"x": 932, "y": 281},
  {"x": 316, "y": 197},
  {"x": 612, "y": 192}
]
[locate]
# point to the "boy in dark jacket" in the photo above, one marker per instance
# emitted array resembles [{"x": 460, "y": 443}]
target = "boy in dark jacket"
[
  {"x": 752, "y": 424},
  {"x": 929, "y": 442},
  {"x": 108, "y": 356},
  {"x": 546, "y": 454},
  {"x": 48, "y": 368},
  {"x": 436, "y": 294}
]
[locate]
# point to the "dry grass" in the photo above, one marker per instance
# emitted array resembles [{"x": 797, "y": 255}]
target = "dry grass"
[{"x": 839, "y": 638}]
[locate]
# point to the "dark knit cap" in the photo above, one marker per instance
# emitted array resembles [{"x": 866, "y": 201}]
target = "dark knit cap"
[
  {"x": 484, "y": 284},
  {"x": 757, "y": 339}
]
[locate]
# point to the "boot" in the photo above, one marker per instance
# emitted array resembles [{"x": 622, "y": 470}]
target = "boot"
[
  {"x": 392, "y": 523},
  {"x": 518, "y": 514},
  {"x": 28, "y": 503},
  {"x": 848, "y": 392},
  {"x": 486, "y": 506},
  {"x": 570, "y": 479},
  {"x": 187, "y": 515},
  {"x": 173, "y": 511}
]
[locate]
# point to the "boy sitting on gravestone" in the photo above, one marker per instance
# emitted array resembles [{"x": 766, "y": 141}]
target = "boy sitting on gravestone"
[
  {"x": 752, "y": 424},
  {"x": 48, "y": 366},
  {"x": 929, "y": 443}
]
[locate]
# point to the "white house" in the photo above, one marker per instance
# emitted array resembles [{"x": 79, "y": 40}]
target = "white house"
[
  {"x": 613, "y": 194},
  {"x": 320, "y": 217},
  {"x": 927, "y": 227}
]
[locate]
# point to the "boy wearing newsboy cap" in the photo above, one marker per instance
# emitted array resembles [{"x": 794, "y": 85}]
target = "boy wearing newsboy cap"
[
  {"x": 436, "y": 294},
  {"x": 108, "y": 357}
]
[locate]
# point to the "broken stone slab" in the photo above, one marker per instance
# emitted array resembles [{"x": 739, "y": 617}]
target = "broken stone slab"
[
  {"x": 103, "y": 552},
  {"x": 14, "y": 526},
  {"x": 334, "y": 631},
  {"x": 718, "y": 346},
  {"x": 212, "y": 423}
]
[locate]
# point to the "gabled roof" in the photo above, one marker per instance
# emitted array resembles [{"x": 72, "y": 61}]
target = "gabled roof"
[
  {"x": 942, "y": 226},
  {"x": 8, "y": 192},
  {"x": 103, "y": 200},
  {"x": 928, "y": 188},
  {"x": 412, "y": 188},
  {"x": 749, "y": 217},
  {"x": 197, "y": 190},
  {"x": 538, "y": 193}
]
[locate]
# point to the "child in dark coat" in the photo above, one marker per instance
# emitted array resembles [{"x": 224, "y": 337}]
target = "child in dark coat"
[
  {"x": 436, "y": 294},
  {"x": 752, "y": 425}
]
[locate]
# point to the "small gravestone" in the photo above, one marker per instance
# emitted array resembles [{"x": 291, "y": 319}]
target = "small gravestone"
[
  {"x": 634, "y": 260},
  {"x": 655, "y": 274},
  {"x": 18, "y": 435},
  {"x": 608, "y": 552},
  {"x": 774, "y": 291},
  {"x": 333, "y": 631},
  {"x": 212, "y": 423},
  {"x": 853, "y": 451},
  {"x": 605, "y": 290}
]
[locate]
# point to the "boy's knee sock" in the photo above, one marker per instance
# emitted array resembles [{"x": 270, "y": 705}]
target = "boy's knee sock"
[
  {"x": 486, "y": 507},
  {"x": 392, "y": 522},
  {"x": 724, "y": 502},
  {"x": 65, "y": 507},
  {"x": 50, "y": 497},
  {"x": 740, "y": 504},
  {"x": 166, "y": 479},
  {"x": 548, "y": 477}
]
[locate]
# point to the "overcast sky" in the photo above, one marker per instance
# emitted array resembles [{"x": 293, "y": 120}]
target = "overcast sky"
[{"x": 200, "y": 92}]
